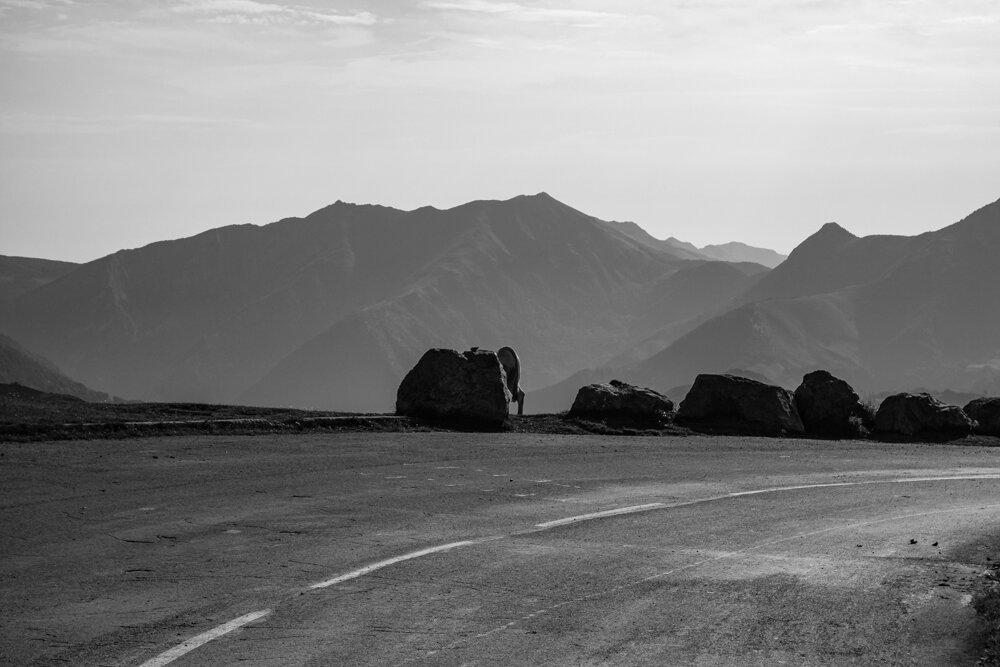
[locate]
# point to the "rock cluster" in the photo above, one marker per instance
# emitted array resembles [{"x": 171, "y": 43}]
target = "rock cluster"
[
  {"x": 738, "y": 403},
  {"x": 460, "y": 387},
  {"x": 621, "y": 401},
  {"x": 471, "y": 388}
]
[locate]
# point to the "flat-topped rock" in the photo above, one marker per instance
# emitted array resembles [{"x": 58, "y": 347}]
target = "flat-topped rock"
[
  {"x": 921, "y": 415},
  {"x": 620, "y": 400},
  {"x": 742, "y": 404}
]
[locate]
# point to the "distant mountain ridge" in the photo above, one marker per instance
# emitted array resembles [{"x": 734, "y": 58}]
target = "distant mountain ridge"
[
  {"x": 887, "y": 313},
  {"x": 733, "y": 251},
  {"x": 330, "y": 310},
  {"x": 19, "y": 275}
]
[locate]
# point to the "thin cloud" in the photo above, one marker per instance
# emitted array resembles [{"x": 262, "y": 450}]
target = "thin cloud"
[
  {"x": 519, "y": 12},
  {"x": 251, "y": 12}
]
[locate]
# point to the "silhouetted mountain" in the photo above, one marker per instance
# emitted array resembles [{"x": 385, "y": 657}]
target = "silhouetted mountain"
[
  {"x": 726, "y": 252},
  {"x": 20, "y": 366},
  {"x": 671, "y": 246},
  {"x": 735, "y": 251},
  {"x": 19, "y": 275},
  {"x": 331, "y": 310},
  {"x": 883, "y": 312}
]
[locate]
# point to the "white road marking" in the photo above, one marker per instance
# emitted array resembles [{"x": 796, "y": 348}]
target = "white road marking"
[
  {"x": 944, "y": 479},
  {"x": 897, "y": 480},
  {"x": 354, "y": 574},
  {"x": 191, "y": 644},
  {"x": 600, "y": 515},
  {"x": 753, "y": 492}
]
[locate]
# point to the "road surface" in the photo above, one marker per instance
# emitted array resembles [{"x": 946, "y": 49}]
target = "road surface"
[{"x": 492, "y": 549}]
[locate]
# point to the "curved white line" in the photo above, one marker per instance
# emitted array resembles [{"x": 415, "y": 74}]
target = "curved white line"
[
  {"x": 205, "y": 637},
  {"x": 390, "y": 561},
  {"x": 600, "y": 515},
  {"x": 736, "y": 494}
]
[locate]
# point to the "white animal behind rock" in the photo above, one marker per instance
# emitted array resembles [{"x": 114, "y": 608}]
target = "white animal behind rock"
[{"x": 512, "y": 367}]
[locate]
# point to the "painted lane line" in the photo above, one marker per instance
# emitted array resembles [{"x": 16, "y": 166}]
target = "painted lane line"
[
  {"x": 754, "y": 492},
  {"x": 945, "y": 479},
  {"x": 897, "y": 480},
  {"x": 191, "y": 644},
  {"x": 600, "y": 515},
  {"x": 354, "y": 574}
]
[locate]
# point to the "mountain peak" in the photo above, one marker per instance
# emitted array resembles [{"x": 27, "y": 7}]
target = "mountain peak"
[
  {"x": 833, "y": 229},
  {"x": 831, "y": 235},
  {"x": 541, "y": 198}
]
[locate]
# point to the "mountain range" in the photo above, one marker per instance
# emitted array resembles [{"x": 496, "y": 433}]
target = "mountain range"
[
  {"x": 886, "y": 313},
  {"x": 331, "y": 310},
  {"x": 733, "y": 251}
]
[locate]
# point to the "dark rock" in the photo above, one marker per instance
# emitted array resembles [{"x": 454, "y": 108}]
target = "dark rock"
[
  {"x": 828, "y": 405},
  {"x": 921, "y": 415},
  {"x": 446, "y": 385},
  {"x": 733, "y": 402},
  {"x": 986, "y": 413},
  {"x": 621, "y": 401}
]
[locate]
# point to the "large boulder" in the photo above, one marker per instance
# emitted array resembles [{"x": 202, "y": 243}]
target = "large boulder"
[
  {"x": 921, "y": 416},
  {"x": 621, "y": 401},
  {"x": 463, "y": 387},
  {"x": 986, "y": 413},
  {"x": 829, "y": 406},
  {"x": 737, "y": 403}
]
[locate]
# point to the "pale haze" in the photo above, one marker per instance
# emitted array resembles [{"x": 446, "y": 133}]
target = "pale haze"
[{"x": 128, "y": 122}]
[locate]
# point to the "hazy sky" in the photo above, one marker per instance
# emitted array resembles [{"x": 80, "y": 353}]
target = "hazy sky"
[{"x": 123, "y": 122}]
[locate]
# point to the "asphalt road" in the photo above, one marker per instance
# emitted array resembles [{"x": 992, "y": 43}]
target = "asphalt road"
[{"x": 435, "y": 549}]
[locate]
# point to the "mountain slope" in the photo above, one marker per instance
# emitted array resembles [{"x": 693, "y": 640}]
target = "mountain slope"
[
  {"x": 196, "y": 318},
  {"x": 563, "y": 293},
  {"x": 672, "y": 246},
  {"x": 734, "y": 251},
  {"x": 19, "y": 365},
  {"x": 19, "y": 275},
  {"x": 332, "y": 309},
  {"x": 887, "y": 313}
]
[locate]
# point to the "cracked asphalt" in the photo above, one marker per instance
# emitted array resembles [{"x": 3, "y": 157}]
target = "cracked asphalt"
[{"x": 115, "y": 552}]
